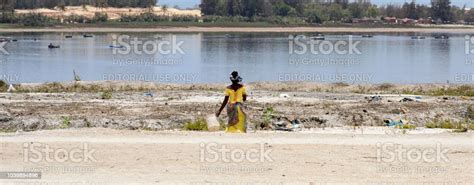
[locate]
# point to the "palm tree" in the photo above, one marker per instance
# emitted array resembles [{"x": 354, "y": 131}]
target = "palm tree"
[{"x": 164, "y": 8}]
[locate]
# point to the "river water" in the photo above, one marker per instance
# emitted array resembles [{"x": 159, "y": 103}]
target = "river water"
[{"x": 259, "y": 57}]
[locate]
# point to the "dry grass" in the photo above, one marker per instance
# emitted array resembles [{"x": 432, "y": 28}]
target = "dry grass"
[
  {"x": 3, "y": 86},
  {"x": 427, "y": 89}
]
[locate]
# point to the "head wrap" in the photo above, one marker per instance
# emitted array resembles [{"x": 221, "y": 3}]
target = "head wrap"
[{"x": 234, "y": 77}]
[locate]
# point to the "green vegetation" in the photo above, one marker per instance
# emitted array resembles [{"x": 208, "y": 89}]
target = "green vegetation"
[
  {"x": 267, "y": 117},
  {"x": 320, "y": 11},
  {"x": 32, "y": 4},
  {"x": 463, "y": 90},
  {"x": 470, "y": 112},
  {"x": 450, "y": 124},
  {"x": 229, "y": 12},
  {"x": 107, "y": 95},
  {"x": 100, "y": 17},
  {"x": 65, "y": 122},
  {"x": 406, "y": 126},
  {"x": 3, "y": 86},
  {"x": 198, "y": 125}
]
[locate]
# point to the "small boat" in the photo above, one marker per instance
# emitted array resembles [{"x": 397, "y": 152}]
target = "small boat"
[
  {"x": 88, "y": 36},
  {"x": 318, "y": 38},
  {"x": 116, "y": 46},
  {"x": 4, "y": 39},
  {"x": 441, "y": 37},
  {"x": 14, "y": 40},
  {"x": 51, "y": 46},
  {"x": 68, "y": 36},
  {"x": 367, "y": 36},
  {"x": 418, "y": 37}
]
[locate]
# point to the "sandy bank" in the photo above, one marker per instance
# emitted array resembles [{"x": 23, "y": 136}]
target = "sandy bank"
[
  {"x": 123, "y": 157},
  {"x": 149, "y": 106}
]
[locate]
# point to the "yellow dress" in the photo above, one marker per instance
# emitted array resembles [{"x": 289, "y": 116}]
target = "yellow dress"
[{"x": 237, "y": 117}]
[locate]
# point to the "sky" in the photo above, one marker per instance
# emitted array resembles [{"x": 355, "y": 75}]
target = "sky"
[{"x": 192, "y": 3}]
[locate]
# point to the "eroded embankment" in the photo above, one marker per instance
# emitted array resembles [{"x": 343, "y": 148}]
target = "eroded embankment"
[{"x": 150, "y": 106}]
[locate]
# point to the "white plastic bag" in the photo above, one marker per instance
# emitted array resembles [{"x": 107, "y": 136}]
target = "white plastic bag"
[{"x": 212, "y": 123}]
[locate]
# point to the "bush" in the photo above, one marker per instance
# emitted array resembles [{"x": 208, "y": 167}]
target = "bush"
[
  {"x": 77, "y": 19},
  {"x": 100, "y": 17},
  {"x": 66, "y": 122},
  {"x": 407, "y": 126},
  {"x": 36, "y": 19},
  {"x": 107, "y": 95},
  {"x": 3, "y": 86},
  {"x": 449, "y": 124},
  {"x": 184, "y": 18},
  {"x": 199, "y": 125},
  {"x": 52, "y": 88},
  {"x": 8, "y": 18},
  {"x": 470, "y": 112},
  {"x": 144, "y": 17}
]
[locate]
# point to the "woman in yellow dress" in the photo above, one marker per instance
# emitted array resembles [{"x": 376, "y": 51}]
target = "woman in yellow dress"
[{"x": 235, "y": 95}]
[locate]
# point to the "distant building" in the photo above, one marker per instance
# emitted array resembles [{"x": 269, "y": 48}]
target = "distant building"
[
  {"x": 407, "y": 21},
  {"x": 366, "y": 20},
  {"x": 390, "y": 20},
  {"x": 428, "y": 20}
]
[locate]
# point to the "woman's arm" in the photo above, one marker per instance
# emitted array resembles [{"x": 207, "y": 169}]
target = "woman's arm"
[{"x": 224, "y": 103}]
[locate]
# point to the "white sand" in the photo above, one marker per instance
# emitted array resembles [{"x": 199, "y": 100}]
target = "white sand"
[{"x": 170, "y": 157}]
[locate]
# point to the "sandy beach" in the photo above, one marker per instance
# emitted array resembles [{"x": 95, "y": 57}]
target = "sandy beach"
[{"x": 143, "y": 157}]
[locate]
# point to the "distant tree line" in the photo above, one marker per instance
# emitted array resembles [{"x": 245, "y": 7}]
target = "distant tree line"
[
  {"x": 32, "y": 4},
  {"x": 318, "y": 11}
]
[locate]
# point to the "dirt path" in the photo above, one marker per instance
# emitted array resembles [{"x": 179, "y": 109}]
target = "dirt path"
[{"x": 170, "y": 157}]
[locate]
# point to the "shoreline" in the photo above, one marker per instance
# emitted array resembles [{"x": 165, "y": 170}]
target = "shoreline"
[{"x": 453, "y": 30}]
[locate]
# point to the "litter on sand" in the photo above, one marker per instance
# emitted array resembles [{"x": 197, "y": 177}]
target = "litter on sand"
[{"x": 212, "y": 123}]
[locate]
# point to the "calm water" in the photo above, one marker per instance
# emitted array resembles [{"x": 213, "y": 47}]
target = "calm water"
[{"x": 209, "y": 58}]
